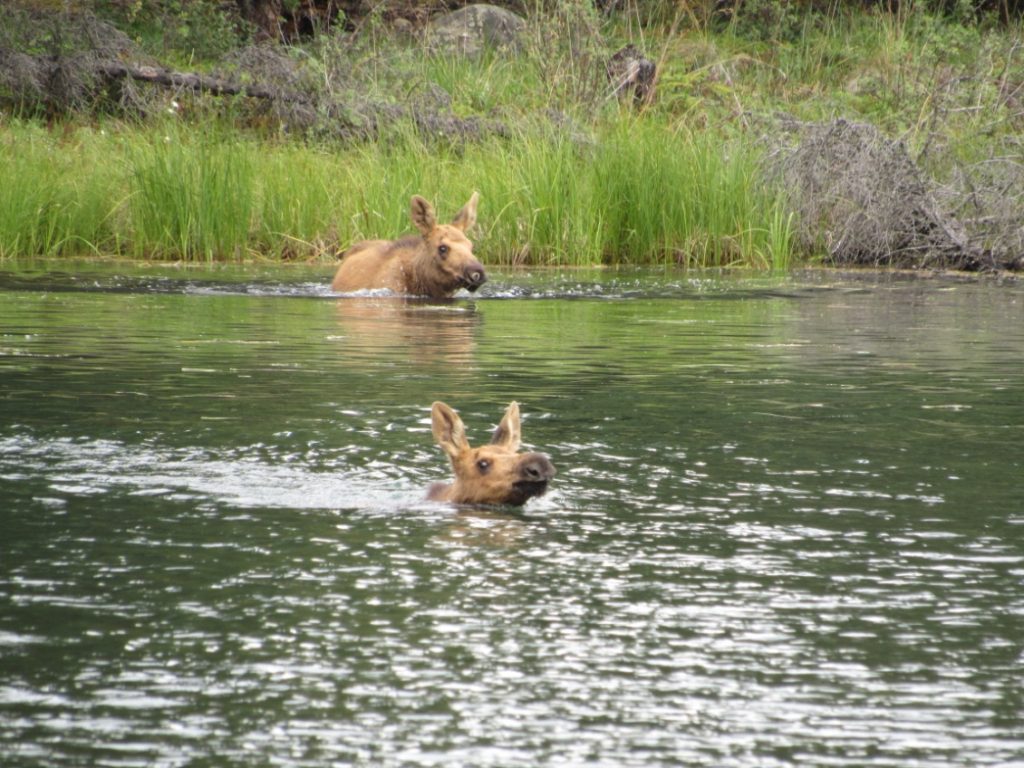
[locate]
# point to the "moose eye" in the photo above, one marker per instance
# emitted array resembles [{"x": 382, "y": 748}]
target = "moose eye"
[
  {"x": 483, "y": 465},
  {"x": 442, "y": 250}
]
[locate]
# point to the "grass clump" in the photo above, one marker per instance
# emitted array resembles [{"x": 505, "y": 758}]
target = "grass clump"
[
  {"x": 53, "y": 199},
  {"x": 190, "y": 198}
]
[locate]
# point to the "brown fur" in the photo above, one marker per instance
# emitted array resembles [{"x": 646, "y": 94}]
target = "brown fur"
[
  {"x": 436, "y": 264},
  {"x": 490, "y": 474}
]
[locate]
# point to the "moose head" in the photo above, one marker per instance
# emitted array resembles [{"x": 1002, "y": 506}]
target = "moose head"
[{"x": 489, "y": 474}]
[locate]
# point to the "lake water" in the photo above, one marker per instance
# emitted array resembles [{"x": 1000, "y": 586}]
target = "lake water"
[{"x": 787, "y": 526}]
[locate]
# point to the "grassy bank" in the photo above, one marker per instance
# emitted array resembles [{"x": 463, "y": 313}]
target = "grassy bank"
[
  {"x": 640, "y": 192},
  {"x": 574, "y": 176}
]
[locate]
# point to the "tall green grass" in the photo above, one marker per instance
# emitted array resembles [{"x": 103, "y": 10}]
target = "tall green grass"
[
  {"x": 191, "y": 196},
  {"x": 638, "y": 194},
  {"x": 635, "y": 192},
  {"x": 58, "y": 194}
]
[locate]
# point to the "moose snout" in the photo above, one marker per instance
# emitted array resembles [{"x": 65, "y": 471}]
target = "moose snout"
[
  {"x": 474, "y": 276},
  {"x": 536, "y": 468}
]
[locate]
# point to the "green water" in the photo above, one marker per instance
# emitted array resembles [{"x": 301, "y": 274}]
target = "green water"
[{"x": 786, "y": 527}]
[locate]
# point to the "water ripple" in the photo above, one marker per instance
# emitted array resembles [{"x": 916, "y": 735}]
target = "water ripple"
[{"x": 784, "y": 530}]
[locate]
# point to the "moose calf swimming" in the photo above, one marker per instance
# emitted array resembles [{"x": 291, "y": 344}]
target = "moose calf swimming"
[
  {"x": 490, "y": 474},
  {"x": 436, "y": 264}
]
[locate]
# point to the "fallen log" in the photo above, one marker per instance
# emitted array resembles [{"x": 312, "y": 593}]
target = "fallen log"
[{"x": 194, "y": 82}]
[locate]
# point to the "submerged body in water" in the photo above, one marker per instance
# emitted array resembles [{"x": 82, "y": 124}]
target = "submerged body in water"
[{"x": 435, "y": 265}]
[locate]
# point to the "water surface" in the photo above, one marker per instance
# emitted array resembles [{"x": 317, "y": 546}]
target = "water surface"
[{"x": 786, "y": 528}]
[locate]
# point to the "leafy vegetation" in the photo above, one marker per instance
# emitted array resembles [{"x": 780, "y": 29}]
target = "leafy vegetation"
[{"x": 567, "y": 173}]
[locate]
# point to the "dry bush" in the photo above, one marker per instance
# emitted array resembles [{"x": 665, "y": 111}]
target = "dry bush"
[
  {"x": 988, "y": 197},
  {"x": 859, "y": 196},
  {"x": 49, "y": 62}
]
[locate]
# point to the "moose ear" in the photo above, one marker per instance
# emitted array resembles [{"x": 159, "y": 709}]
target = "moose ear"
[
  {"x": 506, "y": 434},
  {"x": 466, "y": 218},
  {"x": 423, "y": 215},
  {"x": 449, "y": 431}
]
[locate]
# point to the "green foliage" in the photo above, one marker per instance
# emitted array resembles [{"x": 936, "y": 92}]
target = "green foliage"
[
  {"x": 638, "y": 193},
  {"x": 774, "y": 21},
  {"x": 178, "y": 30},
  {"x": 53, "y": 199}
]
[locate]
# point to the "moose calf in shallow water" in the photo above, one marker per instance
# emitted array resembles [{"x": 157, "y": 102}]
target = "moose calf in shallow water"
[
  {"x": 490, "y": 474},
  {"x": 436, "y": 264}
]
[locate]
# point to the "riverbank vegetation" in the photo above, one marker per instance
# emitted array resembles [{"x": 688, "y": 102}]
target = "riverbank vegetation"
[
  {"x": 172, "y": 192},
  {"x": 368, "y": 113}
]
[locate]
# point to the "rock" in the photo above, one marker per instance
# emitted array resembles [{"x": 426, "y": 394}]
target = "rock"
[
  {"x": 403, "y": 28},
  {"x": 631, "y": 73},
  {"x": 468, "y": 30}
]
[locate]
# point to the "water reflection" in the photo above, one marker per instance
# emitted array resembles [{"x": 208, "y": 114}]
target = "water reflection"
[
  {"x": 417, "y": 332},
  {"x": 489, "y": 528}
]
